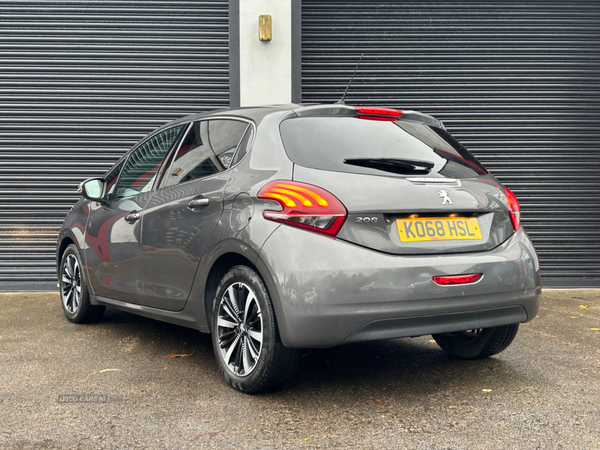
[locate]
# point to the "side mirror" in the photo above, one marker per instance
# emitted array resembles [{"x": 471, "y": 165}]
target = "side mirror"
[{"x": 92, "y": 189}]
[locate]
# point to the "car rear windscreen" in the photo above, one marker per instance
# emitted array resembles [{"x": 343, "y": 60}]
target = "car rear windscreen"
[{"x": 392, "y": 148}]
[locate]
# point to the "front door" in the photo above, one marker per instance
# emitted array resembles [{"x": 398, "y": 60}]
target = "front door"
[
  {"x": 113, "y": 249},
  {"x": 113, "y": 230}
]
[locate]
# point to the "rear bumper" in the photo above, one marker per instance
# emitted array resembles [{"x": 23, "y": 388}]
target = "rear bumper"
[
  {"x": 327, "y": 292},
  {"x": 442, "y": 323}
]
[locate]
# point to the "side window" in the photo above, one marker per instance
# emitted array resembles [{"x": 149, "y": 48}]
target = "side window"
[
  {"x": 244, "y": 146},
  {"x": 111, "y": 179},
  {"x": 143, "y": 164},
  {"x": 208, "y": 148}
]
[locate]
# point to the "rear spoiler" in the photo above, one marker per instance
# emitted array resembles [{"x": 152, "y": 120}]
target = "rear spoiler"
[{"x": 367, "y": 112}]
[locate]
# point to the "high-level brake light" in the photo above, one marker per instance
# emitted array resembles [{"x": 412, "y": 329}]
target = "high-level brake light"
[
  {"x": 448, "y": 280},
  {"x": 374, "y": 113},
  {"x": 305, "y": 206},
  {"x": 514, "y": 208},
  {"x": 378, "y": 111}
]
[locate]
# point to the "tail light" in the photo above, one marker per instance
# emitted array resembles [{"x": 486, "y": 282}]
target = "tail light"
[
  {"x": 457, "y": 279},
  {"x": 374, "y": 113},
  {"x": 304, "y": 206},
  {"x": 514, "y": 208}
]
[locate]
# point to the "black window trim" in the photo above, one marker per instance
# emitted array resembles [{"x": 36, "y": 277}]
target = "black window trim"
[
  {"x": 250, "y": 144},
  {"x": 122, "y": 160},
  {"x": 166, "y": 165}
]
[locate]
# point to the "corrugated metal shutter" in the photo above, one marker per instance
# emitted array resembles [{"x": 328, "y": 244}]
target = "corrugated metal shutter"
[
  {"x": 517, "y": 82},
  {"x": 80, "y": 82}
]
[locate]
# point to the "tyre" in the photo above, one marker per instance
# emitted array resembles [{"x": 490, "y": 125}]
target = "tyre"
[
  {"x": 481, "y": 343},
  {"x": 74, "y": 294},
  {"x": 245, "y": 337}
]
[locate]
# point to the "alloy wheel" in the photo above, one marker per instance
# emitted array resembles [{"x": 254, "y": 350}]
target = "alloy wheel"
[
  {"x": 240, "y": 329},
  {"x": 71, "y": 284}
]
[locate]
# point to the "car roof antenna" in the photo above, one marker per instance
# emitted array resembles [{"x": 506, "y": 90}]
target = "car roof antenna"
[{"x": 341, "y": 101}]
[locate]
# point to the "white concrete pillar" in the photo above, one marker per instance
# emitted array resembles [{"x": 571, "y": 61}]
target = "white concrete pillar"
[{"x": 265, "y": 67}]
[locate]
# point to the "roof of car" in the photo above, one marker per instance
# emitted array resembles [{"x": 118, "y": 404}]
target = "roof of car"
[{"x": 257, "y": 113}]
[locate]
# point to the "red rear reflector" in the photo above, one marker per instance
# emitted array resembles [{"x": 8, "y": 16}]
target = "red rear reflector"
[
  {"x": 379, "y": 111},
  {"x": 514, "y": 208},
  {"x": 305, "y": 206},
  {"x": 457, "y": 279}
]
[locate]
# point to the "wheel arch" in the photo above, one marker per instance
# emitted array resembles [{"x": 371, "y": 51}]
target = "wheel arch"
[
  {"x": 63, "y": 243},
  {"x": 230, "y": 254},
  {"x": 219, "y": 268}
]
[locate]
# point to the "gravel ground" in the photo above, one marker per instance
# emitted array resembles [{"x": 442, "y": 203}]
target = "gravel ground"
[{"x": 541, "y": 393}]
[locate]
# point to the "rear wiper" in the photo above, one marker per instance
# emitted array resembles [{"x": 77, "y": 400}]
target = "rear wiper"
[{"x": 400, "y": 166}]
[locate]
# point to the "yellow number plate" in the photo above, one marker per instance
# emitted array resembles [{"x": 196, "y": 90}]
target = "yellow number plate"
[{"x": 438, "y": 229}]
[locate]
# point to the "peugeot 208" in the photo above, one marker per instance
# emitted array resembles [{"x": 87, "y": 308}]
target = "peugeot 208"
[{"x": 283, "y": 228}]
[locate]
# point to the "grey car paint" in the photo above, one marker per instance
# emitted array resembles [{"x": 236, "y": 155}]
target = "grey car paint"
[
  {"x": 324, "y": 291},
  {"x": 174, "y": 236},
  {"x": 319, "y": 283},
  {"x": 368, "y": 196},
  {"x": 112, "y": 251}
]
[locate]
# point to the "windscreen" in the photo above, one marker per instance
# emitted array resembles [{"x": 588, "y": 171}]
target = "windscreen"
[{"x": 392, "y": 148}]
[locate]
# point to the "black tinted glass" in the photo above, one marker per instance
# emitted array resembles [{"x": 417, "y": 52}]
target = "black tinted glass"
[
  {"x": 244, "y": 146},
  {"x": 143, "y": 164},
  {"x": 348, "y": 144},
  {"x": 111, "y": 179},
  {"x": 208, "y": 148}
]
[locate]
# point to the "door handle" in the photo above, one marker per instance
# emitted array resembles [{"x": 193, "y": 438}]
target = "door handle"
[
  {"x": 132, "y": 217},
  {"x": 196, "y": 202}
]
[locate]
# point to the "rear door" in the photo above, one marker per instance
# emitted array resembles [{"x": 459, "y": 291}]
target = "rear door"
[
  {"x": 181, "y": 216},
  {"x": 113, "y": 231}
]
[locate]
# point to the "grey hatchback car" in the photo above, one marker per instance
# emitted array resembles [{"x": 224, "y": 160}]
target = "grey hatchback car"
[{"x": 290, "y": 227}]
